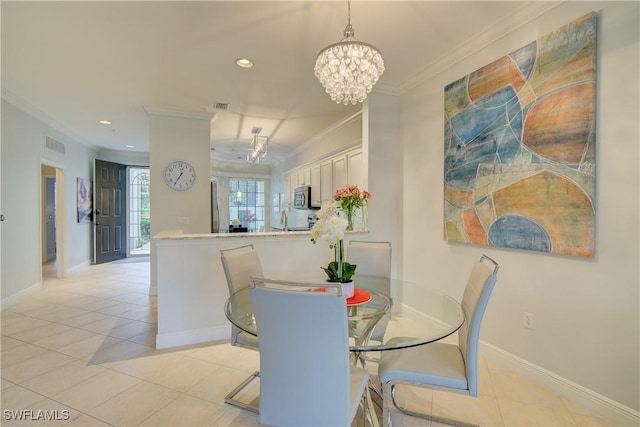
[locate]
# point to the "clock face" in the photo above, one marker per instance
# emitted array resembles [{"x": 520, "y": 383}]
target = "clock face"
[{"x": 179, "y": 175}]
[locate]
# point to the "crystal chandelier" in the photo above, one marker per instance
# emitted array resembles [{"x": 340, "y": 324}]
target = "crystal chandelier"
[
  {"x": 258, "y": 148},
  {"x": 349, "y": 69}
]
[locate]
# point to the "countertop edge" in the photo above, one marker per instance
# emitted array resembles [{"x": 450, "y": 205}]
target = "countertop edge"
[{"x": 175, "y": 235}]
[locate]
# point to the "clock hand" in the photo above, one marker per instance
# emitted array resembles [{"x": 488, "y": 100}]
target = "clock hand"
[{"x": 179, "y": 176}]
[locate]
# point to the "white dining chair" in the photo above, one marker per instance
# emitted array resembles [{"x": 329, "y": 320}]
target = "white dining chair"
[
  {"x": 441, "y": 366},
  {"x": 373, "y": 258},
  {"x": 239, "y": 265},
  {"x": 306, "y": 378}
]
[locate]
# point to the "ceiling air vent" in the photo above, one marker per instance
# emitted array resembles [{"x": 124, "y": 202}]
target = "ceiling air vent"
[
  {"x": 222, "y": 106},
  {"x": 256, "y": 130},
  {"x": 54, "y": 145}
]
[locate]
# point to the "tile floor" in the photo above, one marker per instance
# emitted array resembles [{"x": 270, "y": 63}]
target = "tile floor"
[{"x": 80, "y": 352}]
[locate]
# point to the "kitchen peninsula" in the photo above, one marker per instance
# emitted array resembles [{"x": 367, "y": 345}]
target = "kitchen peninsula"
[{"x": 191, "y": 285}]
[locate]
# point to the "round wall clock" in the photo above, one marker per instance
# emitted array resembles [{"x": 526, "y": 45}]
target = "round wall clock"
[{"x": 179, "y": 175}]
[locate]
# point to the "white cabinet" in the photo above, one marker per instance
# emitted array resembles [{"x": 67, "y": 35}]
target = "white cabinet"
[
  {"x": 355, "y": 169},
  {"x": 326, "y": 181},
  {"x": 340, "y": 172},
  {"x": 304, "y": 177},
  {"x": 315, "y": 182},
  {"x": 327, "y": 176}
]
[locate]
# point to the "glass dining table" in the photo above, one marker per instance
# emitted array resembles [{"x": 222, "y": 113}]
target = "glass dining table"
[{"x": 389, "y": 313}]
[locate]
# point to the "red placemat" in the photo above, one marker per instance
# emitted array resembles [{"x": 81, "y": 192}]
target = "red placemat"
[{"x": 360, "y": 296}]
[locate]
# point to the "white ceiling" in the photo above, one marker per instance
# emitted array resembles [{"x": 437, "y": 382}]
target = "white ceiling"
[{"x": 74, "y": 63}]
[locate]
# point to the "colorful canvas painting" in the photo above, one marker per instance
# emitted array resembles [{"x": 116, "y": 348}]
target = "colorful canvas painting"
[
  {"x": 84, "y": 199},
  {"x": 520, "y": 155}
]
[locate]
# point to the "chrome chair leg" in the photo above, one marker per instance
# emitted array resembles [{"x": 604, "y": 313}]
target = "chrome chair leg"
[
  {"x": 229, "y": 398},
  {"x": 389, "y": 393},
  {"x": 371, "y": 410}
]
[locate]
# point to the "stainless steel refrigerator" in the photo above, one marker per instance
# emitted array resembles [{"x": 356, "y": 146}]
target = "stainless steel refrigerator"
[{"x": 215, "y": 210}]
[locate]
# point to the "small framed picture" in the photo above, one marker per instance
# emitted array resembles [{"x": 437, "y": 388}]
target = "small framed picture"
[{"x": 84, "y": 199}]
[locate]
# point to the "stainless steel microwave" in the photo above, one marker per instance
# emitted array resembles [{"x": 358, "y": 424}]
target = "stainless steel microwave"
[{"x": 302, "y": 197}]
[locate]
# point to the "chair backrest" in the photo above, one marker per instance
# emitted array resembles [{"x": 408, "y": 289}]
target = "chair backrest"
[
  {"x": 371, "y": 258},
  {"x": 304, "y": 355},
  {"x": 239, "y": 264},
  {"x": 474, "y": 302}
]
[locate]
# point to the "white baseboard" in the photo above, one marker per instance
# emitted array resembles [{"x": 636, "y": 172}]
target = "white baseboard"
[
  {"x": 601, "y": 405},
  {"x": 83, "y": 264},
  {"x": 7, "y": 302},
  {"x": 196, "y": 336}
]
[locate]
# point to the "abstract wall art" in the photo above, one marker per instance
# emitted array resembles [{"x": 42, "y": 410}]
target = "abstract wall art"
[
  {"x": 84, "y": 199},
  {"x": 520, "y": 155}
]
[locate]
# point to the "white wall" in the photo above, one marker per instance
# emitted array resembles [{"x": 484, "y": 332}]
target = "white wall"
[
  {"x": 382, "y": 149},
  {"x": 586, "y": 310},
  {"x": 180, "y": 138},
  {"x": 23, "y": 152},
  {"x": 130, "y": 158}
]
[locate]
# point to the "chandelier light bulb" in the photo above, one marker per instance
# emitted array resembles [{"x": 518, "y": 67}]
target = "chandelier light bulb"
[{"x": 349, "y": 69}]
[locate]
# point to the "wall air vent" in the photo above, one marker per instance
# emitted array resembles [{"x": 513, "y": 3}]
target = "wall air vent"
[
  {"x": 54, "y": 145},
  {"x": 222, "y": 106}
]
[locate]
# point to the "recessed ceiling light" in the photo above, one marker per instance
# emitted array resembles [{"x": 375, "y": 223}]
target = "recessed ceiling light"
[
  {"x": 104, "y": 122},
  {"x": 130, "y": 146},
  {"x": 244, "y": 63}
]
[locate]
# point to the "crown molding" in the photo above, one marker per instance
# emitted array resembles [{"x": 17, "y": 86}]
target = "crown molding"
[
  {"x": 28, "y": 107},
  {"x": 340, "y": 124},
  {"x": 527, "y": 13}
]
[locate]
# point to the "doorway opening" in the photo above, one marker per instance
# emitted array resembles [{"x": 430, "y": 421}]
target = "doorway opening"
[
  {"x": 139, "y": 224},
  {"x": 52, "y": 242},
  {"x": 49, "y": 221}
]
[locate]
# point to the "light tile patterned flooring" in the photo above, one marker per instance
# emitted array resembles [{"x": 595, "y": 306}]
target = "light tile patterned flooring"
[{"x": 82, "y": 349}]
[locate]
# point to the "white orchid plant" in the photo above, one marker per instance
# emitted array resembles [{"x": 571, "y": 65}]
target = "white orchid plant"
[{"x": 330, "y": 228}]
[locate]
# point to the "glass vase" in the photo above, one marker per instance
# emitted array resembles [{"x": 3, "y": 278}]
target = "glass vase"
[
  {"x": 350, "y": 215},
  {"x": 365, "y": 218}
]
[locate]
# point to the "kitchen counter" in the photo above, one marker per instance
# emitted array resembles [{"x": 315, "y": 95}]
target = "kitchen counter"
[
  {"x": 291, "y": 229},
  {"x": 191, "y": 285},
  {"x": 178, "y": 235}
]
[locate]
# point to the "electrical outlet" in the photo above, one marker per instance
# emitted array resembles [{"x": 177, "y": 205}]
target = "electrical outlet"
[{"x": 528, "y": 320}]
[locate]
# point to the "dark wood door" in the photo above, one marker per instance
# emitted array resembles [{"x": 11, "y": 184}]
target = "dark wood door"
[{"x": 109, "y": 216}]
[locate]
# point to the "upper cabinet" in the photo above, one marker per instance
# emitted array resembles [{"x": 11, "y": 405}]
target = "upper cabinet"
[
  {"x": 326, "y": 181},
  {"x": 340, "y": 176},
  {"x": 316, "y": 183},
  {"x": 355, "y": 168},
  {"x": 328, "y": 175}
]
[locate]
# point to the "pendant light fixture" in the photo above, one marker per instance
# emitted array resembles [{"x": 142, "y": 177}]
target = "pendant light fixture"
[
  {"x": 258, "y": 148},
  {"x": 349, "y": 69}
]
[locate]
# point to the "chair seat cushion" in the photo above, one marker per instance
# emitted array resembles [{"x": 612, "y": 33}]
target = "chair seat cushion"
[{"x": 438, "y": 364}]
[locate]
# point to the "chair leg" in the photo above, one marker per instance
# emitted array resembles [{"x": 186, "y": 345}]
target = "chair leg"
[
  {"x": 389, "y": 394},
  {"x": 387, "y": 388},
  {"x": 229, "y": 398},
  {"x": 371, "y": 410}
]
